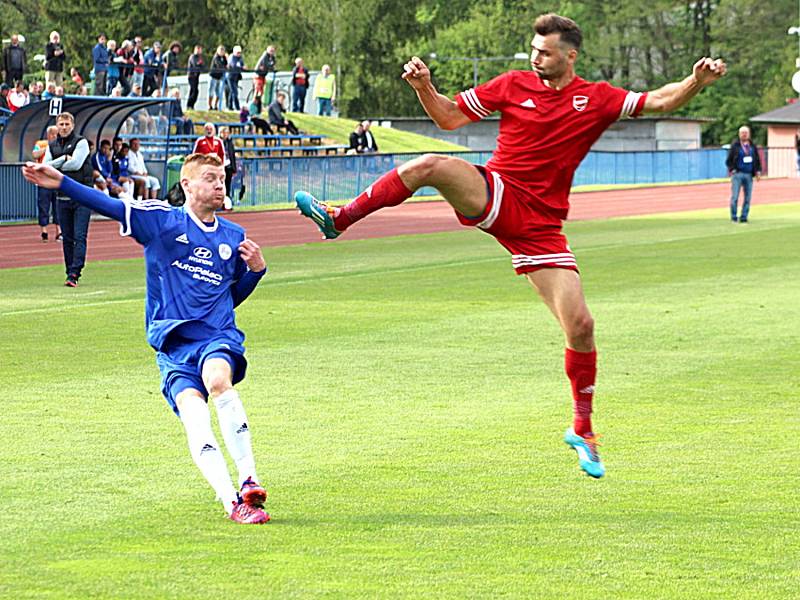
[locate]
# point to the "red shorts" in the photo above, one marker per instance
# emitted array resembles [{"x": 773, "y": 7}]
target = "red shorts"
[
  {"x": 259, "y": 85},
  {"x": 522, "y": 226}
]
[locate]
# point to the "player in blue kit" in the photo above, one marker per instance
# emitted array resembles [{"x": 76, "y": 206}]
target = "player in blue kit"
[{"x": 199, "y": 267}]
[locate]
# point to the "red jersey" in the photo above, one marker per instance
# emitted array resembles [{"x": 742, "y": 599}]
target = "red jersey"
[
  {"x": 546, "y": 133},
  {"x": 210, "y": 145}
]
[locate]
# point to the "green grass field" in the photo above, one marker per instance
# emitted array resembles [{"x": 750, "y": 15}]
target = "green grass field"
[{"x": 407, "y": 400}]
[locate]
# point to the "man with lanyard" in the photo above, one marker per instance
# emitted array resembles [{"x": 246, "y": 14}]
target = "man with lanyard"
[
  {"x": 743, "y": 162},
  {"x": 69, "y": 153}
]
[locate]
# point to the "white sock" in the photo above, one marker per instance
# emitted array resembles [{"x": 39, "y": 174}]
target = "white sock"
[
  {"x": 205, "y": 450},
  {"x": 236, "y": 433}
]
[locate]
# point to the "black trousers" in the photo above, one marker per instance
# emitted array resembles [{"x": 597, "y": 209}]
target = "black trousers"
[
  {"x": 46, "y": 200},
  {"x": 74, "y": 221},
  {"x": 194, "y": 85},
  {"x": 261, "y": 125},
  {"x": 229, "y": 172}
]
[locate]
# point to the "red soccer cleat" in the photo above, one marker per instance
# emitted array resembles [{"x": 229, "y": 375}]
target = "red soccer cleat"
[
  {"x": 249, "y": 515},
  {"x": 252, "y": 493}
]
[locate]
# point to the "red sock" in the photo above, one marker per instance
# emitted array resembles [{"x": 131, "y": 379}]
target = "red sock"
[
  {"x": 581, "y": 369},
  {"x": 388, "y": 190}
]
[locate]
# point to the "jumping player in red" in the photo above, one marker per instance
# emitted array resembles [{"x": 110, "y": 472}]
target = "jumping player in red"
[{"x": 550, "y": 118}]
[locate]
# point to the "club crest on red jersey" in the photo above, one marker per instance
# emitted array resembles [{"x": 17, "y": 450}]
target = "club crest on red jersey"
[{"x": 580, "y": 103}]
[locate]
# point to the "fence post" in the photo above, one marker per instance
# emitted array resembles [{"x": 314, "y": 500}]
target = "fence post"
[
  {"x": 358, "y": 174},
  {"x": 325, "y": 170},
  {"x": 289, "y": 177}
]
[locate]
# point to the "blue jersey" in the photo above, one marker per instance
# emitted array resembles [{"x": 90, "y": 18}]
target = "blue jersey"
[{"x": 191, "y": 268}]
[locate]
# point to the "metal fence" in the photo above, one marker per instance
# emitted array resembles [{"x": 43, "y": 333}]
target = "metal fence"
[
  {"x": 17, "y": 196},
  {"x": 273, "y": 181},
  {"x": 269, "y": 181}
]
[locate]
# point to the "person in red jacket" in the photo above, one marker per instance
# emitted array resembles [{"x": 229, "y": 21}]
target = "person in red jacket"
[{"x": 210, "y": 143}]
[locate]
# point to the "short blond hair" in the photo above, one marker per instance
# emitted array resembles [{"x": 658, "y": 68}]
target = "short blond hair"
[
  {"x": 195, "y": 161},
  {"x": 65, "y": 116}
]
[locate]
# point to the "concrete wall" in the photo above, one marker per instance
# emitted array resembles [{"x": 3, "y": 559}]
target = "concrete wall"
[{"x": 645, "y": 134}]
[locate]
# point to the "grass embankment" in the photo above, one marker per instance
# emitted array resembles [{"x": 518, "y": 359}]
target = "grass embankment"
[{"x": 337, "y": 131}]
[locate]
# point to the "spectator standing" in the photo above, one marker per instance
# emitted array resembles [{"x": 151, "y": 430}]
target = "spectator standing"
[
  {"x": 235, "y": 67},
  {"x": 113, "y": 66},
  {"x": 369, "y": 144},
  {"x": 797, "y": 147},
  {"x": 138, "y": 169},
  {"x": 230, "y": 159},
  {"x": 325, "y": 91},
  {"x": 54, "y": 58},
  {"x": 15, "y": 61},
  {"x": 171, "y": 60},
  {"x": 137, "y": 58},
  {"x": 46, "y": 199},
  {"x": 219, "y": 64},
  {"x": 69, "y": 153},
  {"x": 743, "y": 163},
  {"x": 264, "y": 66},
  {"x": 18, "y": 97},
  {"x": 100, "y": 62},
  {"x": 152, "y": 65},
  {"x": 276, "y": 115},
  {"x": 300, "y": 80},
  {"x": 194, "y": 67},
  {"x": 124, "y": 61}
]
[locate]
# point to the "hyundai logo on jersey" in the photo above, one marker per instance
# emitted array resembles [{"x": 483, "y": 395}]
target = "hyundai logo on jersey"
[{"x": 201, "y": 252}]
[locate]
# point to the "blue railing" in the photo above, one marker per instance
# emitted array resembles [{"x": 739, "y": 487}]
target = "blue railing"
[
  {"x": 273, "y": 181},
  {"x": 17, "y": 196},
  {"x": 331, "y": 178}
]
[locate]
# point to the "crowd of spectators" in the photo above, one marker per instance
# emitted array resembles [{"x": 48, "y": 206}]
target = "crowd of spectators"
[{"x": 128, "y": 68}]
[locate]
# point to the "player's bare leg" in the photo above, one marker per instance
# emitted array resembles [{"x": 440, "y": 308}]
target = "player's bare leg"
[
  {"x": 217, "y": 377},
  {"x": 562, "y": 292},
  {"x": 461, "y": 184}
]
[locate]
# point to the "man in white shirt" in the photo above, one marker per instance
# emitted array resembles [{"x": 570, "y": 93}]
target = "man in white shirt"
[{"x": 138, "y": 168}]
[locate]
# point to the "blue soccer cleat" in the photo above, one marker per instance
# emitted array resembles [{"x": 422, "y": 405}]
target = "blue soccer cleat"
[
  {"x": 586, "y": 447},
  {"x": 320, "y": 213}
]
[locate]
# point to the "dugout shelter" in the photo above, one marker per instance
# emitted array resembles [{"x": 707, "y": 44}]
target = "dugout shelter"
[{"x": 96, "y": 118}]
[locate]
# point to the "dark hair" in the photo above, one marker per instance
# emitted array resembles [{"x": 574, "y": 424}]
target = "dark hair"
[
  {"x": 117, "y": 139},
  {"x": 130, "y": 141},
  {"x": 568, "y": 30},
  {"x": 124, "y": 147},
  {"x": 104, "y": 143}
]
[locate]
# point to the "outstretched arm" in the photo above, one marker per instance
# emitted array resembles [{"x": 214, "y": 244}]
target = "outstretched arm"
[
  {"x": 47, "y": 177},
  {"x": 443, "y": 111},
  {"x": 674, "y": 95}
]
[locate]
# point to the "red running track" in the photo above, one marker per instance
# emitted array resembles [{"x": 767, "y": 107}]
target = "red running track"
[{"x": 21, "y": 245}]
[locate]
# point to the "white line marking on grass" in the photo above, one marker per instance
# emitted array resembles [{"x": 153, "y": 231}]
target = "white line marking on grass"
[{"x": 411, "y": 269}]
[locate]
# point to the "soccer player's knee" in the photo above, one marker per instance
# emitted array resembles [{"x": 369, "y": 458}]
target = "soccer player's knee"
[
  {"x": 582, "y": 327},
  {"x": 217, "y": 382},
  {"x": 427, "y": 165}
]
